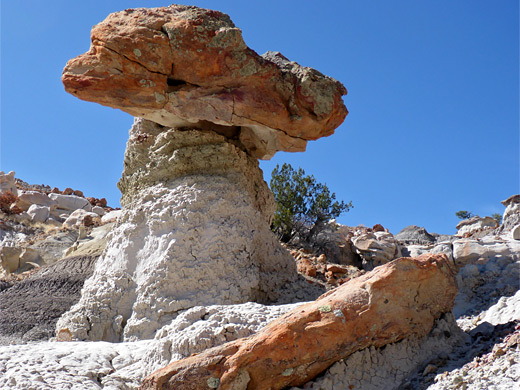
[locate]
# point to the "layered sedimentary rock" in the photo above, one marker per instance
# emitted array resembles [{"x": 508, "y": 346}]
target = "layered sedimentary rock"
[
  {"x": 397, "y": 300},
  {"x": 7, "y": 182},
  {"x": 415, "y": 235},
  {"x": 186, "y": 66},
  {"x": 194, "y": 229},
  {"x": 475, "y": 224},
  {"x": 46, "y": 295}
]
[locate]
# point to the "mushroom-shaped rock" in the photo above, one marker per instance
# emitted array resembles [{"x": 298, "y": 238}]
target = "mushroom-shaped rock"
[
  {"x": 511, "y": 199},
  {"x": 195, "y": 222},
  {"x": 183, "y": 66}
]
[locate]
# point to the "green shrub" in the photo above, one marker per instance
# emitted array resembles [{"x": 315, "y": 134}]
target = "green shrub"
[
  {"x": 463, "y": 214},
  {"x": 304, "y": 206},
  {"x": 497, "y": 217}
]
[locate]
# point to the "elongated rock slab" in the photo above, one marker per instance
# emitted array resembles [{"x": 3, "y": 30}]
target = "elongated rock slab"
[
  {"x": 193, "y": 231},
  {"x": 186, "y": 66},
  {"x": 396, "y": 300}
]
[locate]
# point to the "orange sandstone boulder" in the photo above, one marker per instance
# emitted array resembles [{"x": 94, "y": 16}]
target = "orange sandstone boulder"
[
  {"x": 396, "y": 300},
  {"x": 183, "y": 66}
]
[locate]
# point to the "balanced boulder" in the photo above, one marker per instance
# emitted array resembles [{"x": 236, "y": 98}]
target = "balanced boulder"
[
  {"x": 183, "y": 66},
  {"x": 195, "y": 222}
]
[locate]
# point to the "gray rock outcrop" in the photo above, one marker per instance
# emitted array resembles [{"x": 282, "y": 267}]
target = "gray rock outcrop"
[{"x": 415, "y": 235}]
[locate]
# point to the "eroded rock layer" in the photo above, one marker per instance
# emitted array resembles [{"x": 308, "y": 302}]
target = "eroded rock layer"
[
  {"x": 185, "y": 66},
  {"x": 396, "y": 300},
  {"x": 194, "y": 230}
]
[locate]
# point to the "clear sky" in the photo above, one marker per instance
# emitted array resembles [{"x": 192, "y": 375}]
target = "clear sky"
[{"x": 433, "y": 99}]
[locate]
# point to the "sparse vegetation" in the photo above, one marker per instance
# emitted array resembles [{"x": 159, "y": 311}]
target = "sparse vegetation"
[
  {"x": 304, "y": 206},
  {"x": 497, "y": 217},
  {"x": 463, "y": 214}
]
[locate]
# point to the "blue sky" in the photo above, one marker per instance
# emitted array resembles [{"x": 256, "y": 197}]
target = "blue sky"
[{"x": 433, "y": 99}]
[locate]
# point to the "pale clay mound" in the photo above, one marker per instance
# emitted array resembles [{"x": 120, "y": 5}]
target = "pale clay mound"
[{"x": 194, "y": 230}]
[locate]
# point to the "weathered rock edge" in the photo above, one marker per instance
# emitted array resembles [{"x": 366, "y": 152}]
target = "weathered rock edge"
[
  {"x": 396, "y": 300},
  {"x": 186, "y": 66}
]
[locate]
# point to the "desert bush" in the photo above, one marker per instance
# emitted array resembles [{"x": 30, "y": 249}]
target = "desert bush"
[
  {"x": 304, "y": 206},
  {"x": 463, "y": 214},
  {"x": 497, "y": 217}
]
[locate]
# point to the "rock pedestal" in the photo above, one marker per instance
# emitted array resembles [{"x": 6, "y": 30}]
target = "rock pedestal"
[
  {"x": 194, "y": 228},
  {"x": 194, "y": 231}
]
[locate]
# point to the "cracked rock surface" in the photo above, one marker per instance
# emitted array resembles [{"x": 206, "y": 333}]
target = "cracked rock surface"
[
  {"x": 185, "y": 66},
  {"x": 194, "y": 230}
]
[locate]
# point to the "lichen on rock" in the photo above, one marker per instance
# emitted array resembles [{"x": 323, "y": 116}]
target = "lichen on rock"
[{"x": 184, "y": 66}]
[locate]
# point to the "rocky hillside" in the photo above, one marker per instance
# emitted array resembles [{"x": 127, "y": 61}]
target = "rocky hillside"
[{"x": 46, "y": 262}]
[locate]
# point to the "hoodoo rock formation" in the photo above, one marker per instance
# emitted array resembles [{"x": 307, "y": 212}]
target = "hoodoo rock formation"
[
  {"x": 372, "y": 310},
  {"x": 194, "y": 228}
]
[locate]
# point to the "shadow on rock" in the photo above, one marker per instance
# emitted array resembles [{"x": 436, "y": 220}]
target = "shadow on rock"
[{"x": 29, "y": 309}]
